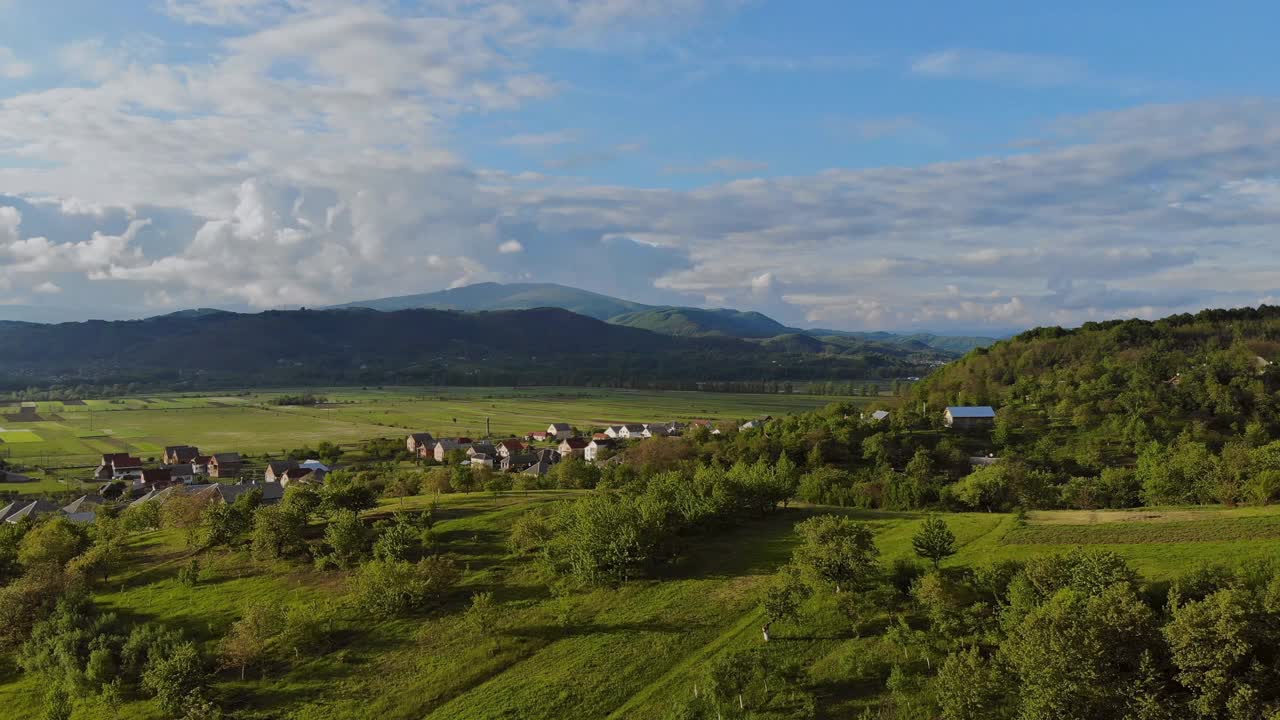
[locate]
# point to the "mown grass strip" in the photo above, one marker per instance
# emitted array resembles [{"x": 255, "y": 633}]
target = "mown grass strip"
[{"x": 1226, "y": 529}]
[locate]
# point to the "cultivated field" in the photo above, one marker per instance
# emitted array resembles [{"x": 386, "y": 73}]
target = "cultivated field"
[
  {"x": 56, "y": 434},
  {"x": 624, "y": 653}
]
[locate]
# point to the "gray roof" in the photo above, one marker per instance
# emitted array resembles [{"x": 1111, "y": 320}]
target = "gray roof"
[
  {"x": 971, "y": 411},
  {"x": 80, "y": 504},
  {"x": 82, "y": 518},
  {"x": 229, "y": 457},
  {"x": 879, "y": 414},
  {"x": 32, "y": 510},
  {"x": 7, "y": 510},
  {"x": 561, "y": 427}
]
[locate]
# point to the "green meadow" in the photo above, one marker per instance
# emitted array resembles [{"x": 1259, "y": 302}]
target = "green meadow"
[
  {"x": 629, "y": 652},
  {"x": 66, "y": 434}
]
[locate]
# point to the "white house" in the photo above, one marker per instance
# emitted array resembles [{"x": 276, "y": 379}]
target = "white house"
[
  {"x": 560, "y": 431},
  {"x": 613, "y": 431},
  {"x": 631, "y": 432},
  {"x": 595, "y": 448}
]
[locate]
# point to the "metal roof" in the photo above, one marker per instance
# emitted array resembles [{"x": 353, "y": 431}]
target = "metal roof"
[{"x": 972, "y": 411}]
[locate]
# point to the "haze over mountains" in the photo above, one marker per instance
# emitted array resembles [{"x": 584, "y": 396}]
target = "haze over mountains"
[{"x": 667, "y": 320}]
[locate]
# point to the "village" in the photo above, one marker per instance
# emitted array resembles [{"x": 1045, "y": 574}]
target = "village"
[{"x": 127, "y": 481}]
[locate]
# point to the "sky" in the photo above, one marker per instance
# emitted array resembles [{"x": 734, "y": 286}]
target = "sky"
[{"x": 956, "y": 167}]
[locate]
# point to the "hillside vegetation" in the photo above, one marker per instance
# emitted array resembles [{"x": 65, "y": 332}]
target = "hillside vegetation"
[{"x": 545, "y": 346}]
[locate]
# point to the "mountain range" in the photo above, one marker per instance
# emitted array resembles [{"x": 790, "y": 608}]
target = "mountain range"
[
  {"x": 208, "y": 348},
  {"x": 666, "y": 320}
]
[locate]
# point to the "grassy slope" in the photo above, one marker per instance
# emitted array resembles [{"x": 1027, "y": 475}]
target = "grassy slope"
[{"x": 622, "y": 653}]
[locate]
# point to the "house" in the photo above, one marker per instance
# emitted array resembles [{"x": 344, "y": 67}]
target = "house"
[
  {"x": 969, "y": 416},
  {"x": 32, "y": 511},
  {"x": 482, "y": 448},
  {"x": 276, "y": 469},
  {"x": 80, "y": 510},
  {"x": 600, "y": 436},
  {"x": 200, "y": 466},
  {"x": 879, "y": 415},
  {"x": 517, "y": 462},
  {"x": 631, "y": 432},
  {"x": 444, "y": 446},
  {"x": 182, "y": 473},
  {"x": 420, "y": 444},
  {"x": 751, "y": 425},
  {"x": 272, "y": 492},
  {"x": 510, "y": 447},
  {"x": 541, "y": 467},
  {"x": 81, "y": 504},
  {"x": 8, "y": 510},
  {"x": 125, "y": 467},
  {"x": 179, "y": 454},
  {"x": 593, "y": 450},
  {"x": 300, "y": 476},
  {"x": 613, "y": 431},
  {"x": 559, "y": 431},
  {"x": 225, "y": 465},
  {"x": 983, "y": 461},
  {"x": 573, "y": 446},
  {"x": 106, "y": 469},
  {"x": 156, "y": 477},
  {"x": 539, "y": 436},
  {"x": 313, "y": 464},
  {"x": 481, "y": 460}
]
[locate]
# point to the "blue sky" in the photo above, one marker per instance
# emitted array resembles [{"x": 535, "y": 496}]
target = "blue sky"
[{"x": 964, "y": 166}]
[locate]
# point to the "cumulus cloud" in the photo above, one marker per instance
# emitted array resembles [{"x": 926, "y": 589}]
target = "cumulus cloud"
[{"x": 258, "y": 176}]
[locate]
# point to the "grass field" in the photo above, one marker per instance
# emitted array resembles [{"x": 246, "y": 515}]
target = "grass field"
[
  {"x": 624, "y": 653},
  {"x": 68, "y": 434}
]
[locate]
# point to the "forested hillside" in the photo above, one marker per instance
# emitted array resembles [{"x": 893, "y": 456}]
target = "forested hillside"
[
  {"x": 545, "y": 346},
  {"x": 1192, "y": 395}
]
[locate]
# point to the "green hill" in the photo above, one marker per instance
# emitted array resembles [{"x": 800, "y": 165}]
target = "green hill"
[
  {"x": 515, "y": 296},
  {"x": 686, "y": 321},
  {"x": 546, "y": 346}
]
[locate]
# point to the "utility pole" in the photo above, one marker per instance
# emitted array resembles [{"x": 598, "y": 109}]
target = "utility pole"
[{"x": 488, "y": 432}]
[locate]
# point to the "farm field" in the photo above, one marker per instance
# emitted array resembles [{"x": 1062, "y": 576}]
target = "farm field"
[
  {"x": 60, "y": 434},
  {"x": 630, "y": 652}
]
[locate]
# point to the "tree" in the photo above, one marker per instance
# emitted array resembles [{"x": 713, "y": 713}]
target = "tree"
[
  {"x": 391, "y": 588},
  {"x": 1220, "y": 646},
  {"x": 186, "y": 513},
  {"x": 1080, "y": 655},
  {"x": 481, "y": 616},
  {"x": 783, "y": 598},
  {"x": 347, "y": 495},
  {"x": 838, "y": 551},
  {"x": 248, "y": 640},
  {"x": 934, "y": 541},
  {"x": 970, "y": 687},
  {"x": 51, "y": 543},
  {"x": 348, "y": 538},
  {"x": 176, "y": 677},
  {"x": 277, "y": 533},
  {"x": 398, "y": 540}
]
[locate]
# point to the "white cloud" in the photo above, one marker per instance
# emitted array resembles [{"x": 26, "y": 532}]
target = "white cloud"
[
  {"x": 1006, "y": 67},
  {"x": 259, "y": 176},
  {"x": 11, "y": 67},
  {"x": 47, "y": 288}
]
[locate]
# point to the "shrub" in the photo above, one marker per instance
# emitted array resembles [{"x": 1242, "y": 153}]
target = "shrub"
[{"x": 390, "y": 588}]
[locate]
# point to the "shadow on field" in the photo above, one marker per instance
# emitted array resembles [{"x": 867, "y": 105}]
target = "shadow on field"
[{"x": 558, "y": 632}]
